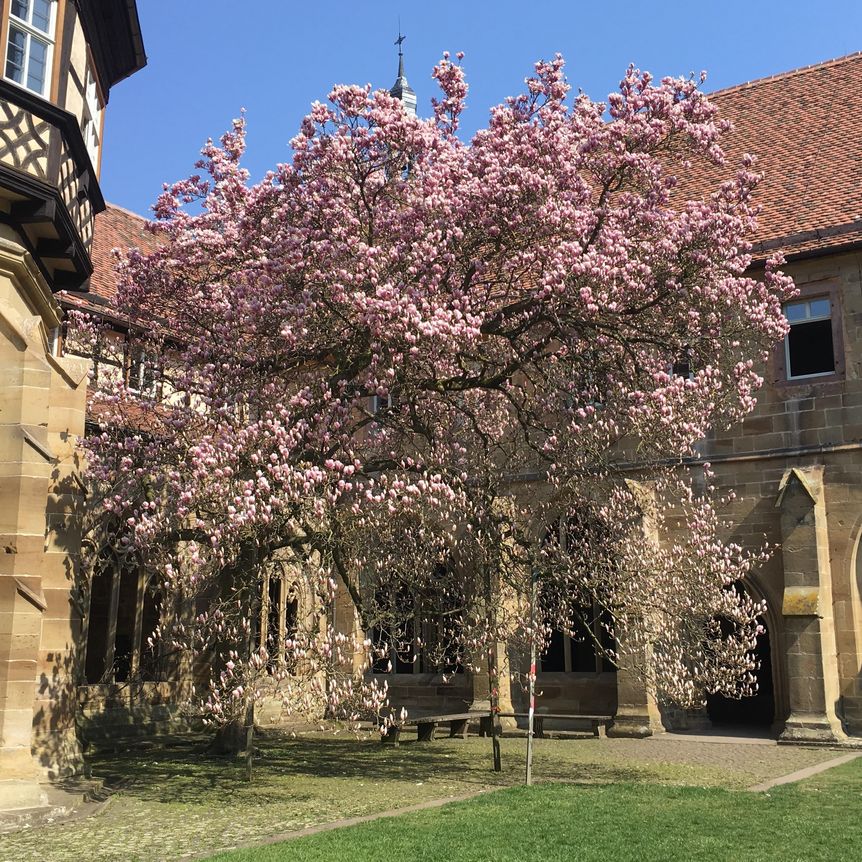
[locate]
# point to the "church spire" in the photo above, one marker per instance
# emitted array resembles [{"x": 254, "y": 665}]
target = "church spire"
[{"x": 401, "y": 90}]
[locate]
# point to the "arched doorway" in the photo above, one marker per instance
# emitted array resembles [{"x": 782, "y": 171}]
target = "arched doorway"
[{"x": 757, "y": 710}]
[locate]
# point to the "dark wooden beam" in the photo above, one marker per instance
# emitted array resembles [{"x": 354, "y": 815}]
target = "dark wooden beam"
[
  {"x": 67, "y": 279},
  {"x": 56, "y": 248},
  {"x": 34, "y": 211}
]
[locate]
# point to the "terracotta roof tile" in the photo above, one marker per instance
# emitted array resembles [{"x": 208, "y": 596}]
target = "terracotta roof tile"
[
  {"x": 805, "y": 127},
  {"x": 115, "y": 228}
]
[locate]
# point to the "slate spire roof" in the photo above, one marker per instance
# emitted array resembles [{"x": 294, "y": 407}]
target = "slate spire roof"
[{"x": 401, "y": 90}]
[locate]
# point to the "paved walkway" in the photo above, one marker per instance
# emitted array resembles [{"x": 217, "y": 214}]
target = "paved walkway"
[{"x": 808, "y": 772}]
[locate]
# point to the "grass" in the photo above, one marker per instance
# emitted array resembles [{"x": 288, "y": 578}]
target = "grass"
[
  {"x": 185, "y": 802},
  {"x": 818, "y": 819}
]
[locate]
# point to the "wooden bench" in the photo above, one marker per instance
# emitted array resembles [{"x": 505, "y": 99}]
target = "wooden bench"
[
  {"x": 426, "y": 726},
  {"x": 598, "y": 723}
]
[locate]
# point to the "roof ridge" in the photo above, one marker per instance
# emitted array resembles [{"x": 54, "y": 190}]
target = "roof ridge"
[
  {"x": 114, "y": 206},
  {"x": 835, "y": 61}
]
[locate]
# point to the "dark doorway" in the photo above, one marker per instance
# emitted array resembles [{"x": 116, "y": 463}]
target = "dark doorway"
[{"x": 755, "y": 711}]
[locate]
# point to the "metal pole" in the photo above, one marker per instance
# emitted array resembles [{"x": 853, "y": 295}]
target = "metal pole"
[{"x": 532, "y": 711}]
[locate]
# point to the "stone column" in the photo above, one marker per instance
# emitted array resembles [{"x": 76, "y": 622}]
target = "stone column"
[
  {"x": 637, "y": 710},
  {"x": 812, "y": 666},
  {"x": 42, "y": 403},
  {"x": 637, "y": 713},
  {"x": 480, "y": 682}
]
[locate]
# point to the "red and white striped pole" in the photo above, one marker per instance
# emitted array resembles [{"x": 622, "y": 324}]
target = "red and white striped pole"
[{"x": 532, "y": 712}]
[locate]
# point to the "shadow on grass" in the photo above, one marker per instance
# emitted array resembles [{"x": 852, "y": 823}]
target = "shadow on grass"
[{"x": 296, "y": 769}]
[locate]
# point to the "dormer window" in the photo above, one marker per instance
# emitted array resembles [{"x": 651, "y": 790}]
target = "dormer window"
[{"x": 30, "y": 43}]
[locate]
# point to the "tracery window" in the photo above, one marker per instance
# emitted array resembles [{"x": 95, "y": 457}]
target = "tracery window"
[
  {"x": 417, "y": 632},
  {"x": 124, "y": 610},
  {"x": 584, "y": 644},
  {"x": 280, "y": 617}
]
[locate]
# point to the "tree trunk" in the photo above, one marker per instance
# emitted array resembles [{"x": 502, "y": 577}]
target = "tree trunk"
[{"x": 493, "y": 674}]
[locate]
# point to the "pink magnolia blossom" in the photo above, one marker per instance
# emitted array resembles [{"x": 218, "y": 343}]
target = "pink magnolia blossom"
[{"x": 376, "y": 362}]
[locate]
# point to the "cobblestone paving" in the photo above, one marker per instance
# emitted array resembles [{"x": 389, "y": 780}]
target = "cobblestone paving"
[{"x": 183, "y": 804}]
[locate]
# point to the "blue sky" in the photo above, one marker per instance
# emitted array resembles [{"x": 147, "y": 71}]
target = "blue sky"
[{"x": 210, "y": 58}]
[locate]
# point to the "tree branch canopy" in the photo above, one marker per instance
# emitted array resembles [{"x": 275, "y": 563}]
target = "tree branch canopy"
[{"x": 369, "y": 345}]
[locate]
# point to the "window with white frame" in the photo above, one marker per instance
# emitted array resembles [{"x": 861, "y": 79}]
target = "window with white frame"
[
  {"x": 384, "y": 405},
  {"x": 141, "y": 370},
  {"x": 30, "y": 43},
  {"x": 809, "y": 350},
  {"x": 90, "y": 117}
]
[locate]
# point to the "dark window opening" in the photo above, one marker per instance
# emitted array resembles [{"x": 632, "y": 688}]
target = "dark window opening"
[
  {"x": 810, "y": 350},
  {"x": 122, "y": 618},
  {"x": 291, "y": 625},
  {"x": 149, "y": 661},
  {"x": 553, "y": 659},
  {"x": 392, "y": 637},
  {"x": 583, "y": 643},
  {"x": 682, "y": 365},
  {"x": 585, "y": 649},
  {"x": 124, "y": 637},
  {"x": 417, "y": 634},
  {"x": 809, "y": 347},
  {"x": 273, "y": 624},
  {"x": 97, "y": 625}
]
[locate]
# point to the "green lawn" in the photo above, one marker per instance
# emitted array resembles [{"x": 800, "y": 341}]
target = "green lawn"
[
  {"x": 183, "y": 802},
  {"x": 818, "y": 819}
]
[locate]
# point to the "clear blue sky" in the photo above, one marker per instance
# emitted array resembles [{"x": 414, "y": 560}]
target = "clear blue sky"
[{"x": 209, "y": 58}]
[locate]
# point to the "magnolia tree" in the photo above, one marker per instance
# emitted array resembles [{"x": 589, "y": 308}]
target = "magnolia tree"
[{"x": 420, "y": 372}]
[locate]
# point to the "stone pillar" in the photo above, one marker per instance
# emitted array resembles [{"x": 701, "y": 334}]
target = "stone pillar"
[
  {"x": 812, "y": 666},
  {"x": 20, "y": 633},
  {"x": 637, "y": 710},
  {"x": 42, "y": 403},
  {"x": 481, "y": 684},
  {"x": 637, "y": 713}
]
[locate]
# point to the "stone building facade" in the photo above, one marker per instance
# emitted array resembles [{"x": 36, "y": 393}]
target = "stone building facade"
[
  {"x": 796, "y": 461},
  {"x": 59, "y": 60}
]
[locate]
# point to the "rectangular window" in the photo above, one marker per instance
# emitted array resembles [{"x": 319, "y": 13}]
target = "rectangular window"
[
  {"x": 384, "y": 405},
  {"x": 142, "y": 371},
  {"x": 585, "y": 649},
  {"x": 809, "y": 349},
  {"x": 30, "y": 43},
  {"x": 90, "y": 117}
]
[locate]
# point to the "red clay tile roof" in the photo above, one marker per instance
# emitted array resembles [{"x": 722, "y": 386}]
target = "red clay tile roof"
[
  {"x": 115, "y": 228},
  {"x": 805, "y": 127}
]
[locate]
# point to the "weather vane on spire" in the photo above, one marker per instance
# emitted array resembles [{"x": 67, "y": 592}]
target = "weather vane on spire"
[{"x": 401, "y": 89}]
